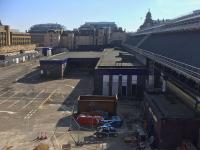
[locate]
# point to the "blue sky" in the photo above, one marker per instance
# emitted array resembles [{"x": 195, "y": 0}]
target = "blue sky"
[{"x": 129, "y": 14}]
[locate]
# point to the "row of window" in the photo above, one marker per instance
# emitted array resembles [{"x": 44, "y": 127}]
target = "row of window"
[{"x": 20, "y": 43}]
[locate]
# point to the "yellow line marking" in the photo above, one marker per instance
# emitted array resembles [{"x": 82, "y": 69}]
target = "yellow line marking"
[{"x": 47, "y": 99}]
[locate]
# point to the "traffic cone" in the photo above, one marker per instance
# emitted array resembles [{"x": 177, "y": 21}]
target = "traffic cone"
[
  {"x": 45, "y": 135},
  {"x": 41, "y": 137},
  {"x": 38, "y": 136}
]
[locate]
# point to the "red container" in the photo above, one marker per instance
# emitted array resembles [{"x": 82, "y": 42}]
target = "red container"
[{"x": 89, "y": 120}]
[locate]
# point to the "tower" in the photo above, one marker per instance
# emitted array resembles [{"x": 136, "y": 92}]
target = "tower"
[{"x": 148, "y": 21}]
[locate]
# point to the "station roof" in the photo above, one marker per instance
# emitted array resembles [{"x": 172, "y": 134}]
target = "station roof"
[
  {"x": 115, "y": 58},
  {"x": 182, "y": 46},
  {"x": 168, "y": 106}
]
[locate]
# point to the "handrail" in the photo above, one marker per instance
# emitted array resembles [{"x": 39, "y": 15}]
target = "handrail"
[{"x": 182, "y": 67}]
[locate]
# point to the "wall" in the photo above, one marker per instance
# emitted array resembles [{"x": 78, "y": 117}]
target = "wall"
[
  {"x": 83, "y": 41},
  {"x": 51, "y": 39},
  {"x": 67, "y": 41},
  {"x": 17, "y": 48},
  {"x": 52, "y": 70},
  {"x": 37, "y": 38},
  {"x": 98, "y": 81},
  {"x": 81, "y": 64},
  {"x": 18, "y": 58},
  {"x": 117, "y": 37}
]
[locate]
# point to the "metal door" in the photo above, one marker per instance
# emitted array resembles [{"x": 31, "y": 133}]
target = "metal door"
[
  {"x": 115, "y": 83},
  {"x": 124, "y": 85},
  {"x": 134, "y": 85},
  {"x": 105, "y": 85},
  {"x": 23, "y": 59},
  {"x": 17, "y": 60}
]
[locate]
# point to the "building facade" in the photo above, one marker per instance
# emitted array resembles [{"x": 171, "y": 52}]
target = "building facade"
[
  {"x": 93, "y": 35},
  {"x": 13, "y": 41},
  {"x": 67, "y": 40},
  {"x": 18, "y": 38},
  {"x": 4, "y": 35},
  {"x": 37, "y": 38},
  {"x": 47, "y": 35},
  {"x": 149, "y": 22},
  {"x": 52, "y": 38}
]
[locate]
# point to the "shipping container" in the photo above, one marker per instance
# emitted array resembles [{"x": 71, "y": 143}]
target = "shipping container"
[{"x": 98, "y": 103}]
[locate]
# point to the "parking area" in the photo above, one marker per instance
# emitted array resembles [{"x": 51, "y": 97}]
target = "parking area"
[{"x": 31, "y": 107}]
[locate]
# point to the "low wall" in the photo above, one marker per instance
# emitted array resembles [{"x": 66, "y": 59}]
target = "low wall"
[{"x": 16, "y": 48}]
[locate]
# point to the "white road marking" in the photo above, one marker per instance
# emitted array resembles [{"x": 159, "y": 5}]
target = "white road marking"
[
  {"x": 32, "y": 100},
  {"x": 5, "y": 92},
  {"x": 8, "y": 98},
  {"x": 70, "y": 86},
  {"x": 40, "y": 106},
  {"x": 9, "y": 112},
  {"x": 29, "y": 114},
  {"x": 13, "y": 103}
]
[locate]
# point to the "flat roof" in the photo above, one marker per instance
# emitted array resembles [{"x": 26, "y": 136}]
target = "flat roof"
[
  {"x": 169, "y": 106},
  {"x": 74, "y": 54},
  {"x": 116, "y": 58},
  {"x": 109, "y": 58}
]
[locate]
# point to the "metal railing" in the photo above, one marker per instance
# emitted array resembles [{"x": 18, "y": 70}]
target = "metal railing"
[{"x": 183, "y": 68}]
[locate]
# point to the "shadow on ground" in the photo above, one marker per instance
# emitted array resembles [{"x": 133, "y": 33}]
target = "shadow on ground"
[
  {"x": 34, "y": 77},
  {"x": 84, "y": 87}
]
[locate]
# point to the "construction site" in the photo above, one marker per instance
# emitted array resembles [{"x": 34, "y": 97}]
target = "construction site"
[
  {"x": 140, "y": 92},
  {"x": 38, "y": 111}
]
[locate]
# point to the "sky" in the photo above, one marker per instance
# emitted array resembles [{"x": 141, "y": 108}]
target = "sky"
[{"x": 128, "y": 14}]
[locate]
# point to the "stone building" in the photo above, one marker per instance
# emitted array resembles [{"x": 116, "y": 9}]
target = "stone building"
[
  {"x": 52, "y": 38},
  {"x": 93, "y": 35},
  {"x": 67, "y": 40},
  {"x": 12, "y": 41},
  {"x": 18, "y": 38},
  {"x": 149, "y": 22},
  {"x": 47, "y": 35}
]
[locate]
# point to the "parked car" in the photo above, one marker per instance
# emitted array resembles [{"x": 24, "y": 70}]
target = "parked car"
[
  {"x": 89, "y": 120},
  {"x": 105, "y": 131}
]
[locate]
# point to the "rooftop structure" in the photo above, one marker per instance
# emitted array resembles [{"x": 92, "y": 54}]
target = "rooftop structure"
[
  {"x": 186, "y": 22},
  {"x": 169, "y": 106},
  {"x": 99, "y": 25},
  {"x": 75, "y": 54},
  {"x": 117, "y": 59},
  {"x": 46, "y": 27},
  {"x": 149, "y": 22}
]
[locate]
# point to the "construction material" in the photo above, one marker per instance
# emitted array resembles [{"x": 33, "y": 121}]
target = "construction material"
[{"x": 89, "y": 120}]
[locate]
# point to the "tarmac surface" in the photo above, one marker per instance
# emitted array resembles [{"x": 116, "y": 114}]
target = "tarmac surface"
[{"x": 32, "y": 107}]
